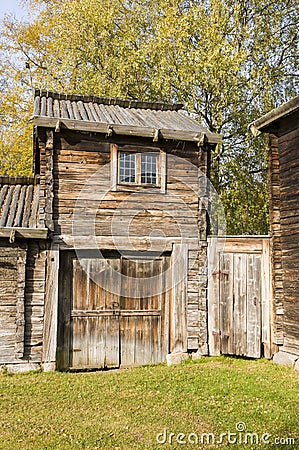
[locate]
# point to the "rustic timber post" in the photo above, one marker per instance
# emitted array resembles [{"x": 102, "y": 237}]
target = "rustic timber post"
[
  {"x": 213, "y": 299},
  {"x": 51, "y": 309},
  {"x": 276, "y": 244},
  {"x": 178, "y": 307},
  {"x": 267, "y": 303},
  {"x": 49, "y": 182},
  {"x": 20, "y": 314}
]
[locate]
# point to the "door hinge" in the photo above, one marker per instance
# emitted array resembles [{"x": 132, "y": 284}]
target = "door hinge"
[{"x": 216, "y": 333}]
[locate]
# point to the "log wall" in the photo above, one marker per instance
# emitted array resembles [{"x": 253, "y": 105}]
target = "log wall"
[
  {"x": 35, "y": 300},
  {"x": 288, "y": 144},
  {"x": 277, "y": 283},
  {"x": 76, "y": 157},
  {"x": 12, "y": 317},
  {"x": 22, "y": 274},
  {"x": 287, "y": 250}
]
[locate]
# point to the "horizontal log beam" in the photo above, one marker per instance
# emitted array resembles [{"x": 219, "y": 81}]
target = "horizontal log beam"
[
  {"x": 28, "y": 233},
  {"x": 68, "y": 242},
  {"x": 116, "y": 313},
  {"x": 125, "y": 130}
]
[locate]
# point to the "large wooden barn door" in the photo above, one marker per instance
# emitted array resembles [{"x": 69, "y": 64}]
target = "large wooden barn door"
[
  {"x": 94, "y": 316},
  {"x": 144, "y": 335},
  {"x": 86, "y": 312},
  {"x": 239, "y": 300},
  {"x": 100, "y": 329}
]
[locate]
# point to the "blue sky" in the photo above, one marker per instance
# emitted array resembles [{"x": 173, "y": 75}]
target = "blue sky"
[{"x": 11, "y": 6}]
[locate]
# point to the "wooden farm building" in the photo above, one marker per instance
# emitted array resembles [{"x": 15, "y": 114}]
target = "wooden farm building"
[
  {"x": 282, "y": 125},
  {"x": 103, "y": 252},
  {"x": 104, "y": 255}
]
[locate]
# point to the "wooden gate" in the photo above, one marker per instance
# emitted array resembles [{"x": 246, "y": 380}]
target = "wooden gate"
[
  {"x": 239, "y": 296},
  {"x": 103, "y": 329}
]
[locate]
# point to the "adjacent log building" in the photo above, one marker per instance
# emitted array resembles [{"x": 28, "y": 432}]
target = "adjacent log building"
[
  {"x": 282, "y": 125},
  {"x": 103, "y": 251}
]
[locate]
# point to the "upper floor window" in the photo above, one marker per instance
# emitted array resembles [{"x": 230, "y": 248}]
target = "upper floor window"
[
  {"x": 126, "y": 168},
  {"x": 138, "y": 167}
]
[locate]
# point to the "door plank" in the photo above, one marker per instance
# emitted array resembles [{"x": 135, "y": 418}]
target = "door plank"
[
  {"x": 254, "y": 306},
  {"x": 214, "y": 298},
  {"x": 101, "y": 329},
  {"x": 240, "y": 313},
  {"x": 178, "y": 317},
  {"x": 95, "y": 330},
  {"x": 226, "y": 299},
  {"x": 64, "y": 343}
]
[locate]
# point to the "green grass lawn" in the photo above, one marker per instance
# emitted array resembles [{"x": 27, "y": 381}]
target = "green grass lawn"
[{"x": 127, "y": 409}]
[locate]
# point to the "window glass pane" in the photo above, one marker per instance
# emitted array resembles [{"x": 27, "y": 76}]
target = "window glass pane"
[
  {"x": 127, "y": 165},
  {"x": 148, "y": 169}
]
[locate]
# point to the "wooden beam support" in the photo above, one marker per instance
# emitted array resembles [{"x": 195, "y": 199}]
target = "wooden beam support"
[
  {"x": 49, "y": 180},
  {"x": 68, "y": 242},
  {"x": 27, "y": 233},
  {"x": 267, "y": 301},
  {"x": 126, "y": 130},
  {"x": 178, "y": 307},
  {"x": 51, "y": 309},
  {"x": 20, "y": 313}
]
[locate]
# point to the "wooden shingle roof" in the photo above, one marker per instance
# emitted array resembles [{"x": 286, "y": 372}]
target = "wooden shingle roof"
[
  {"x": 265, "y": 123},
  {"x": 19, "y": 208},
  {"x": 115, "y": 116}
]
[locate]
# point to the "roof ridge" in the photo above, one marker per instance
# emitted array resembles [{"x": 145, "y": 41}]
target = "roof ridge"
[{"x": 125, "y": 103}]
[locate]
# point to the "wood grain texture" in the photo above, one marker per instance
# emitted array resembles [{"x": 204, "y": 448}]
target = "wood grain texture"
[
  {"x": 240, "y": 297},
  {"x": 51, "y": 305},
  {"x": 213, "y": 299},
  {"x": 284, "y": 217},
  {"x": 165, "y": 211},
  {"x": 178, "y": 308},
  {"x": 284, "y": 221},
  {"x": 12, "y": 298},
  {"x": 20, "y": 306},
  {"x": 103, "y": 329},
  {"x": 67, "y": 160}
]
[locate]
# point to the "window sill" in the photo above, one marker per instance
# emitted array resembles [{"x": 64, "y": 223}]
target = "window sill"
[{"x": 127, "y": 187}]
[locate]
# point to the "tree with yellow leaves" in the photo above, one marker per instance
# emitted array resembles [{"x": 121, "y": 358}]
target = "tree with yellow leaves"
[{"x": 228, "y": 61}]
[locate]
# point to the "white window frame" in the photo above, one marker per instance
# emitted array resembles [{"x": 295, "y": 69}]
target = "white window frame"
[{"x": 161, "y": 167}]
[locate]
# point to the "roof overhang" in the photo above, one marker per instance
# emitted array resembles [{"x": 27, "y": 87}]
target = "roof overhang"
[
  {"x": 264, "y": 123},
  {"x": 27, "y": 233},
  {"x": 126, "y": 130}
]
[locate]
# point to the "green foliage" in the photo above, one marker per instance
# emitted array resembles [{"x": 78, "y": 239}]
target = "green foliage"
[
  {"x": 228, "y": 61},
  {"x": 127, "y": 409}
]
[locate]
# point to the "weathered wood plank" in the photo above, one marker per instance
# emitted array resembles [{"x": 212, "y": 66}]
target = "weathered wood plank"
[
  {"x": 51, "y": 307},
  {"x": 27, "y": 208},
  {"x": 267, "y": 301},
  {"x": 27, "y": 233},
  {"x": 6, "y": 206},
  {"x": 240, "y": 325},
  {"x": 213, "y": 299},
  {"x": 20, "y": 306},
  {"x": 138, "y": 131},
  {"x": 226, "y": 307},
  {"x": 14, "y": 205},
  {"x": 12, "y": 286},
  {"x": 243, "y": 292},
  {"x": 178, "y": 313},
  {"x": 254, "y": 300}
]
